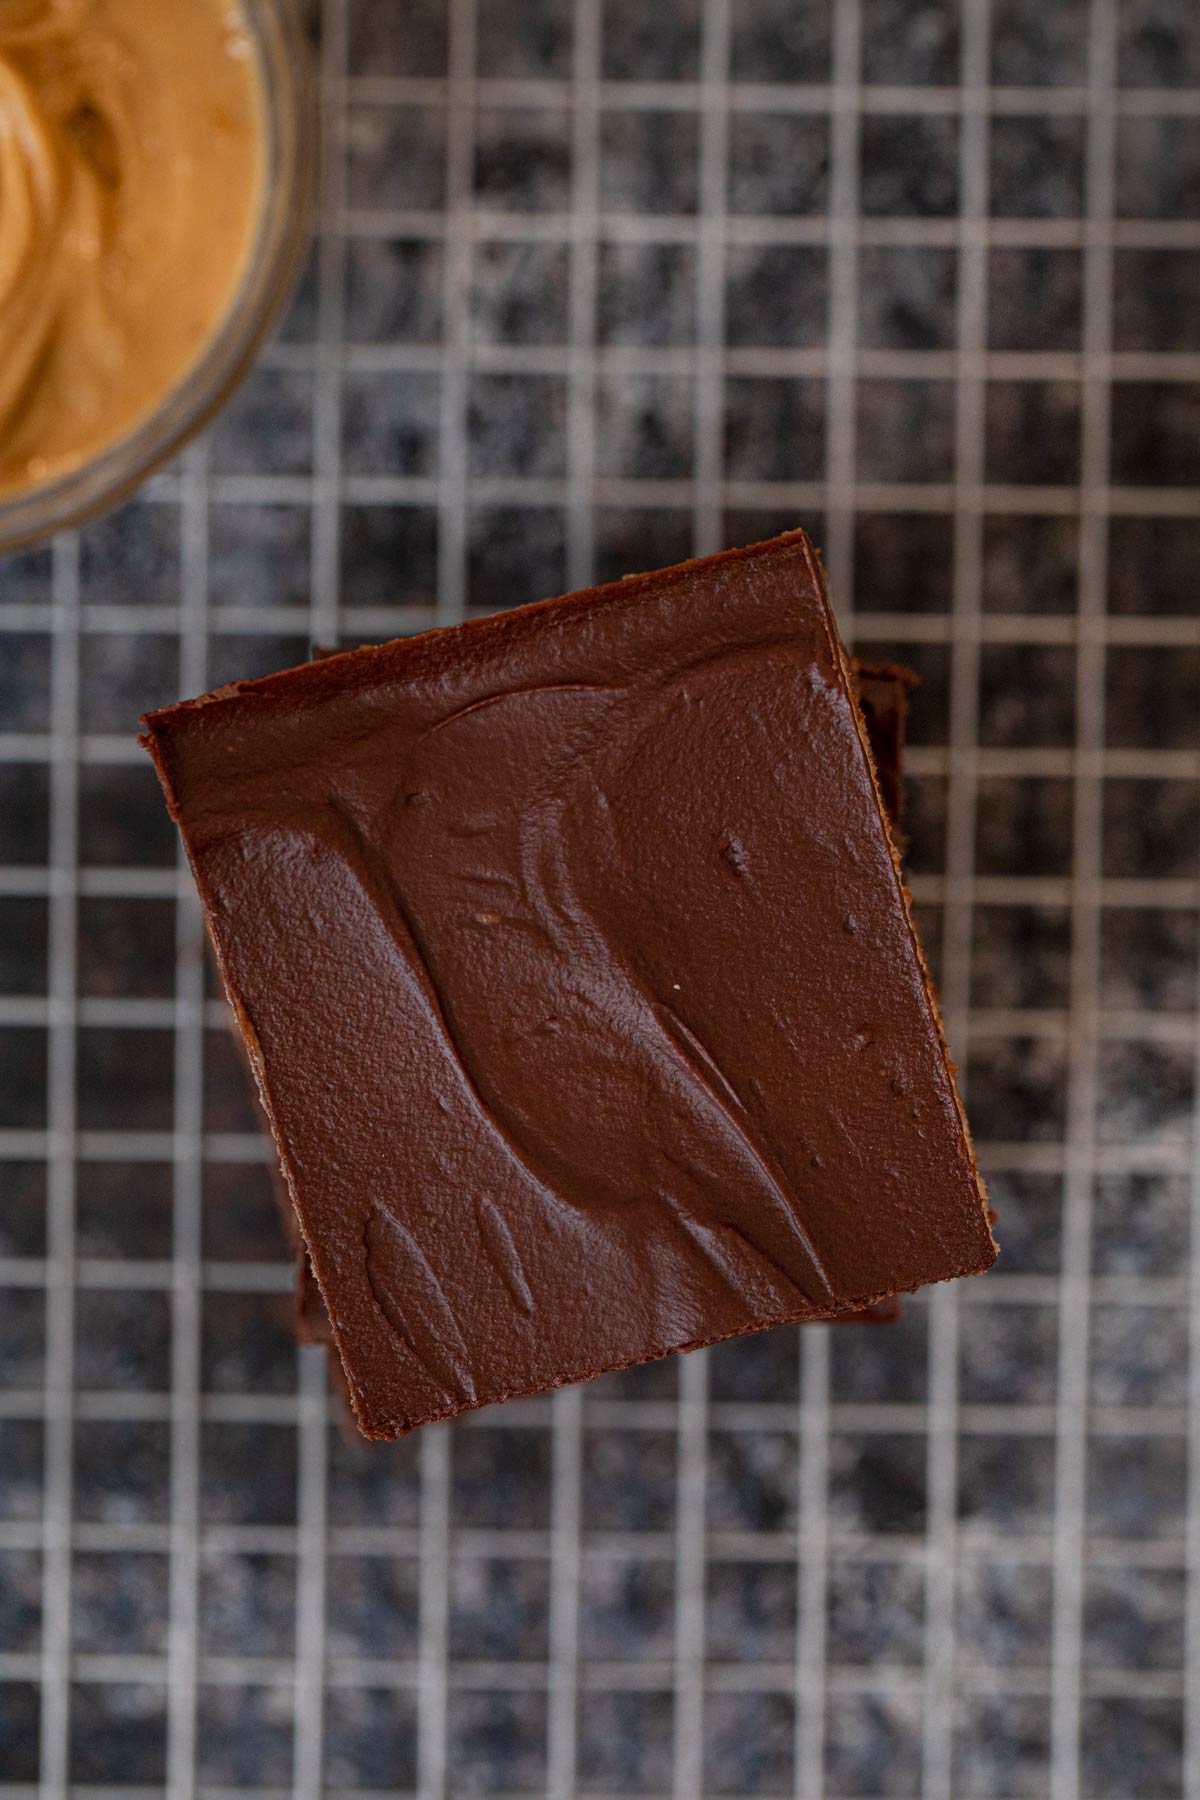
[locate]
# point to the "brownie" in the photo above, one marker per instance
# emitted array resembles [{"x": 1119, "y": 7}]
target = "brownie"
[
  {"x": 881, "y": 690},
  {"x": 577, "y": 973}
]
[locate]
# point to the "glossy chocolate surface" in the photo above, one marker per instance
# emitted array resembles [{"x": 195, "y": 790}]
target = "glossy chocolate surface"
[
  {"x": 575, "y": 967},
  {"x": 881, "y": 690}
]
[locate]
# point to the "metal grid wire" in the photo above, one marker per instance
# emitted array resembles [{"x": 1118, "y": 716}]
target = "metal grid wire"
[{"x": 961, "y": 1557}]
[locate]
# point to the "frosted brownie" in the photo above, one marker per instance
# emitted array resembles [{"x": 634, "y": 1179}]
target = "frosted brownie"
[{"x": 577, "y": 974}]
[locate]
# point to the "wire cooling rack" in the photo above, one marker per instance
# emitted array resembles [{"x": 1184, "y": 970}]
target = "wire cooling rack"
[{"x": 598, "y": 285}]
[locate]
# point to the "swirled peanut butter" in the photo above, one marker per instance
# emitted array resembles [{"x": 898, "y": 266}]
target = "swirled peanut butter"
[{"x": 132, "y": 150}]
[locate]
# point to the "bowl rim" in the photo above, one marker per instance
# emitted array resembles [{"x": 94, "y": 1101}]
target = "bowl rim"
[{"x": 277, "y": 256}]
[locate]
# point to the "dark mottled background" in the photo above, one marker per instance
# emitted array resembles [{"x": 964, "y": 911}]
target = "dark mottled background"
[{"x": 598, "y": 284}]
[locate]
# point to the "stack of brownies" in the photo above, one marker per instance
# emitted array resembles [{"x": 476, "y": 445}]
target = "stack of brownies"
[{"x": 572, "y": 957}]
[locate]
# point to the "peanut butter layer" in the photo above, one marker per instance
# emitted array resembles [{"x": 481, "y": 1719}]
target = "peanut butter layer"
[
  {"x": 132, "y": 155},
  {"x": 576, "y": 970}
]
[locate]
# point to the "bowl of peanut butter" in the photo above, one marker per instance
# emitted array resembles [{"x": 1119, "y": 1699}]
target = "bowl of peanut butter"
[{"x": 156, "y": 173}]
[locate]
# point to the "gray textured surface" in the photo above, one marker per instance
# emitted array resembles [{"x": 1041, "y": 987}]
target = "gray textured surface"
[{"x": 571, "y": 329}]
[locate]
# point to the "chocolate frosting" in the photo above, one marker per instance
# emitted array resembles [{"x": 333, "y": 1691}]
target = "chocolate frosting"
[
  {"x": 881, "y": 690},
  {"x": 578, "y": 977}
]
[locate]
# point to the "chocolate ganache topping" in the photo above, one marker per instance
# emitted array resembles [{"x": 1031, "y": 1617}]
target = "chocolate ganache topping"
[{"x": 578, "y": 976}]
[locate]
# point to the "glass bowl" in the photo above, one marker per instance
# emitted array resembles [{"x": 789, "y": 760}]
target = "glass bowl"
[{"x": 276, "y": 257}]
